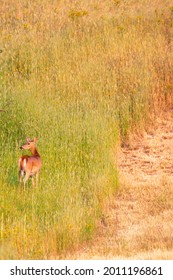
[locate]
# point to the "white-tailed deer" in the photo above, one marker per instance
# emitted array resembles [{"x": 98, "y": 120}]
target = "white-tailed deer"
[{"x": 29, "y": 166}]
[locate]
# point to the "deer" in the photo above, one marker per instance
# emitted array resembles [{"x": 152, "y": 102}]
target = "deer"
[{"x": 29, "y": 166}]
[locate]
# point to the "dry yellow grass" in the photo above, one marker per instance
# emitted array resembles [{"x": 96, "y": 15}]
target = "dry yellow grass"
[
  {"x": 80, "y": 76},
  {"x": 138, "y": 223}
]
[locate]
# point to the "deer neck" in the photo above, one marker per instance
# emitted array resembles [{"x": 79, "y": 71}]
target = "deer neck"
[{"x": 34, "y": 151}]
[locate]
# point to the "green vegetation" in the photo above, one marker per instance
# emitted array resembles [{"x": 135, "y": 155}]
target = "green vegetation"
[{"x": 80, "y": 77}]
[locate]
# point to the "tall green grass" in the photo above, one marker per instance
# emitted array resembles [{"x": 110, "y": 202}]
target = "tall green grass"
[{"x": 80, "y": 79}]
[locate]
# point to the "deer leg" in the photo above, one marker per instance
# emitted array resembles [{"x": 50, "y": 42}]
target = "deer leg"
[
  {"x": 26, "y": 178},
  {"x": 33, "y": 181},
  {"x": 21, "y": 173},
  {"x": 37, "y": 175}
]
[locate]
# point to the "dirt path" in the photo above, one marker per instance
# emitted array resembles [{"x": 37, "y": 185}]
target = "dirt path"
[{"x": 138, "y": 223}]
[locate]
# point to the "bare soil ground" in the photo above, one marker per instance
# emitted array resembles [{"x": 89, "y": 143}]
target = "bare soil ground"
[{"x": 138, "y": 223}]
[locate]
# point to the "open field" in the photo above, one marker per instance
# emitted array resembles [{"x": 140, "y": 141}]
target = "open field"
[
  {"x": 81, "y": 77},
  {"x": 137, "y": 223}
]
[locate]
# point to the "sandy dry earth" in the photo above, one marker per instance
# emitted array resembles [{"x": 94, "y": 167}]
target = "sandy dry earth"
[{"x": 138, "y": 223}]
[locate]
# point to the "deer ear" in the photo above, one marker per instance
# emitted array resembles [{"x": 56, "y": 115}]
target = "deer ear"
[
  {"x": 35, "y": 139},
  {"x": 28, "y": 139}
]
